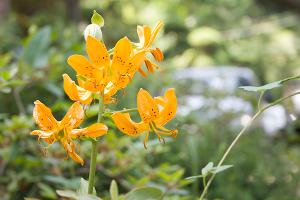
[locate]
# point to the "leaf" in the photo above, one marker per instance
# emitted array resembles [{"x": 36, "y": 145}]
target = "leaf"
[
  {"x": 217, "y": 169},
  {"x": 67, "y": 193},
  {"x": 97, "y": 19},
  {"x": 262, "y": 88},
  {"x": 205, "y": 170},
  {"x": 268, "y": 86},
  {"x": 194, "y": 177},
  {"x": 47, "y": 191},
  {"x": 113, "y": 190},
  {"x": 35, "y": 52},
  {"x": 84, "y": 187},
  {"x": 145, "y": 193}
]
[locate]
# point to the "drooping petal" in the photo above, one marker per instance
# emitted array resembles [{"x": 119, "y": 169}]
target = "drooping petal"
[
  {"x": 157, "y": 54},
  {"x": 48, "y": 136},
  {"x": 82, "y": 66},
  {"x": 121, "y": 55},
  {"x": 75, "y": 92},
  {"x": 43, "y": 117},
  {"x": 97, "y": 52},
  {"x": 95, "y": 130},
  {"x": 169, "y": 104},
  {"x": 146, "y": 105},
  {"x": 74, "y": 116},
  {"x": 127, "y": 126},
  {"x": 69, "y": 147}
]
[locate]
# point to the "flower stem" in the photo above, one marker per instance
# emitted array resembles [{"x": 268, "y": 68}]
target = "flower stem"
[
  {"x": 257, "y": 114},
  {"x": 93, "y": 162}
]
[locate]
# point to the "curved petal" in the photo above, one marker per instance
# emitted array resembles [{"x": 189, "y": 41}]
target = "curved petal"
[
  {"x": 74, "y": 116},
  {"x": 43, "y": 117},
  {"x": 49, "y": 137},
  {"x": 154, "y": 33},
  {"x": 97, "y": 52},
  {"x": 69, "y": 147},
  {"x": 146, "y": 105},
  {"x": 169, "y": 103},
  {"x": 82, "y": 66},
  {"x": 127, "y": 126},
  {"x": 75, "y": 92},
  {"x": 121, "y": 55},
  {"x": 95, "y": 130},
  {"x": 147, "y": 35},
  {"x": 140, "y": 32}
]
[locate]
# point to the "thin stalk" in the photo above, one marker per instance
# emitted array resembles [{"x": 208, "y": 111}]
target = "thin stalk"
[
  {"x": 260, "y": 99},
  {"x": 93, "y": 162},
  {"x": 122, "y": 111},
  {"x": 257, "y": 114}
]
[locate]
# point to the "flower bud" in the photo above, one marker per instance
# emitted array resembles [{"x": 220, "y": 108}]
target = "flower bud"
[{"x": 93, "y": 30}]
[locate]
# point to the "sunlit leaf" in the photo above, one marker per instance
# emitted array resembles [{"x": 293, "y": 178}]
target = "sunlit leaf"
[
  {"x": 268, "y": 86},
  {"x": 35, "y": 52},
  {"x": 97, "y": 19},
  {"x": 144, "y": 193},
  {"x": 113, "y": 190},
  {"x": 219, "y": 169},
  {"x": 205, "y": 170},
  {"x": 83, "y": 188}
]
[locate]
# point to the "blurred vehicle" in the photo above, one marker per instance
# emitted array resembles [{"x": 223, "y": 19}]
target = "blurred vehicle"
[{"x": 209, "y": 93}]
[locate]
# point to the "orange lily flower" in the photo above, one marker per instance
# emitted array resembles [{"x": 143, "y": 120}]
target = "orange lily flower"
[
  {"x": 154, "y": 112},
  {"x": 102, "y": 74},
  {"x": 78, "y": 93},
  {"x": 96, "y": 70},
  {"x": 147, "y": 37},
  {"x": 65, "y": 130},
  {"x": 124, "y": 63}
]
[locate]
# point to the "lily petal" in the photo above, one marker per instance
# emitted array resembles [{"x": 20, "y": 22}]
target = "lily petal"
[
  {"x": 121, "y": 55},
  {"x": 43, "y": 117},
  {"x": 169, "y": 109},
  {"x": 154, "y": 33},
  {"x": 146, "y": 105},
  {"x": 95, "y": 130},
  {"x": 74, "y": 116},
  {"x": 75, "y": 92},
  {"x": 82, "y": 66},
  {"x": 127, "y": 126},
  {"x": 97, "y": 52},
  {"x": 69, "y": 147}
]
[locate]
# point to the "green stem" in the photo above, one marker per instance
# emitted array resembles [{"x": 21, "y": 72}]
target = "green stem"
[
  {"x": 93, "y": 162},
  {"x": 122, "y": 111},
  {"x": 260, "y": 111}
]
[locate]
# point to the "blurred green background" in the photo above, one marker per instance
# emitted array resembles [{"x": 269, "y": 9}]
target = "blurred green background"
[{"x": 258, "y": 35}]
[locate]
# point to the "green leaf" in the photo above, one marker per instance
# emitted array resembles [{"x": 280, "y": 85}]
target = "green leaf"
[
  {"x": 205, "y": 170},
  {"x": 147, "y": 193},
  {"x": 36, "y": 51},
  {"x": 83, "y": 188},
  {"x": 262, "y": 88},
  {"x": 97, "y": 19},
  {"x": 47, "y": 191},
  {"x": 67, "y": 193},
  {"x": 268, "y": 86},
  {"x": 217, "y": 169},
  {"x": 194, "y": 177},
  {"x": 113, "y": 190}
]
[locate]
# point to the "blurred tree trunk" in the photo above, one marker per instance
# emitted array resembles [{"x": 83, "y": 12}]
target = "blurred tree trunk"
[
  {"x": 4, "y": 8},
  {"x": 73, "y": 10}
]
